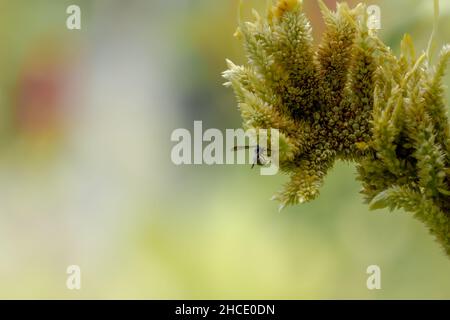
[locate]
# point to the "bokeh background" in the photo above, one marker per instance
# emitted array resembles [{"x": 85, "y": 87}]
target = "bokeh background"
[{"x": 86, "y": 176}]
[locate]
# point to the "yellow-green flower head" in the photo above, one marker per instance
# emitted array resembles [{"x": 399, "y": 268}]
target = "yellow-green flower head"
[{"x": 348, "y": 99}]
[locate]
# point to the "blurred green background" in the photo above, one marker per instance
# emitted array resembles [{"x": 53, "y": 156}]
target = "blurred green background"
[{"x": 86, "y": 176}]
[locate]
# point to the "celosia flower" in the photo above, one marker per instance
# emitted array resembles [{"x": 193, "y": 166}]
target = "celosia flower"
[{"x": 348, "y": 99}]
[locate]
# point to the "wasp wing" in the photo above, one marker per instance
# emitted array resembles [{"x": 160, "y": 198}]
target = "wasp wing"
[{"x": 237, "y": 148}]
